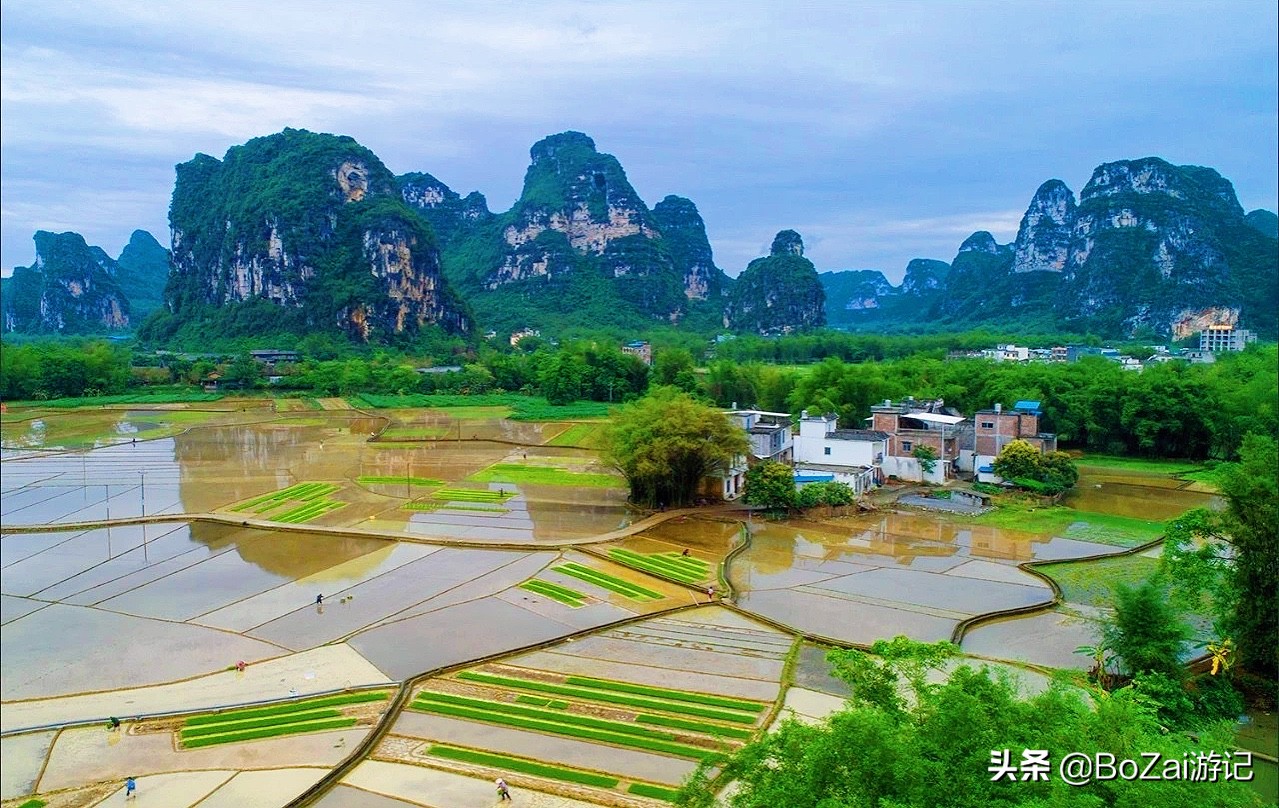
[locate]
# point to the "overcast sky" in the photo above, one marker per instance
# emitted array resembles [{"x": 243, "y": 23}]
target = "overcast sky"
[{"x": 879, "y": 131}]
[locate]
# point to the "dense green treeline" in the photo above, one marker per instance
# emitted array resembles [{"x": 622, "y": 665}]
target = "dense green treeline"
[{"x": 1173, "y": 409}]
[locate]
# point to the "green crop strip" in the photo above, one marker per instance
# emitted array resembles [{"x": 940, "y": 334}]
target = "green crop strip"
[
  {"x": 660, "y": 565},
  {"x": 299, "y": 492},
  {"x": 541, "y": 702},
  {"x": 255, "y": 723},
  {"x": 577, "y": 435},
  {"x": 693, "y": 726},
  {"x": 504, "y": 763},
  {"x": 306, "y": 513},
  {"x": 609, "y": 582},
  {"x": 555, "y": 592},
  {"x": 517, "y": 473},
  {"x": 558, "y": 728},
  {"x": 606, "y": 696},
  {"x": 471, "y": 495},
  {"x": 656, "y": 792},
  {"x": 34, "y": 803},
  {"x": 378, "y": 480},
  {"x": 663, "y": 693},
  {"x": 285, "y": 709},
  {"x": 541, "y": 714},
  {"x": 269, "y": 732}
]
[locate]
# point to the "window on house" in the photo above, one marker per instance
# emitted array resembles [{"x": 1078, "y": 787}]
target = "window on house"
[
  {"x": 906, "y": 446},
  {"x": 826, "y": 450},
  {"x": 987, "y": 424}
]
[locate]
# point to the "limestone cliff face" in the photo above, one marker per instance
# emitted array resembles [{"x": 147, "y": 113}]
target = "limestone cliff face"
[
  {"x": 578, "y": 247},
  {"x": 854, "y": 290},
  {"x": 684, "y": 232},
  {"x": 925, "y": 276},
  {"x": 312, "y": 224},
  {"x": 1152, "y": 241},
  {"x": 143, "y": 272},
  {"x": 1043, "y": 240},
  {"x": 778, "y": 294},
  {"x": 71, "y": 288}
]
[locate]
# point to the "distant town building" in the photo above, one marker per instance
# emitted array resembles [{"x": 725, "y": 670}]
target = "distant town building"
[
  {"x": 1225, "y": 338},
  {"x": 640, "y": 349},
  {"x": 522, "y": 333},
  {"x": 440, "y": 369},
  {"x": 270, "y": 358}
]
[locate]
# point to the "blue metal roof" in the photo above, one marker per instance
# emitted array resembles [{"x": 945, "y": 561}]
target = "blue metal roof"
[
  {"x": 986, "y": 470},
  {"x": 1027, "y": 406},
  {"x": 800, "y": 479}
]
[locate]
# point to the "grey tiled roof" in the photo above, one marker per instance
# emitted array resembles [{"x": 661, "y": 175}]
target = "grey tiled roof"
[{"x": 858, "y": 434}]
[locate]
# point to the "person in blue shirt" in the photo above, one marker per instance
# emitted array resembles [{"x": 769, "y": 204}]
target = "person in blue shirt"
[{"x": 130, "y": 787}]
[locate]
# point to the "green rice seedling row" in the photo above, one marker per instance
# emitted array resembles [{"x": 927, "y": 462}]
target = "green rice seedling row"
[
  {"x": 661, "y": 568},
  {"x": 269, "y": 732},
  {"x": 554, "y": 704},
  {"x": 377, "y": 480},
  {"x": 664, "y": 693},
  {"x": 283, "y": 495},
  {"x": 569, "y": 730},
  {"x": 693, "y": 726},
  {"x": 504, "y": 763},
  {"x": 542, "y": 714},
  {"x": 307, "y": 512},
  {"x": 575, "y": 435},
  {"x": 471, "y": 495},
  {"x": 606, "y": 696},
  {"x": 606, "y": 581},
  {"x": 655, "y": 792},
  {"x": 555, "y": 592},
  {"x": 287, "y": 708},
  {"x": 692, "y": 562},
  {"x": 254, "y": 723}
]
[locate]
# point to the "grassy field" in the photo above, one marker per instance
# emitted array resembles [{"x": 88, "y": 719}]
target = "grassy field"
[
  {"x": 584, "y": 435},
  {"x": 516, "y": 407},
  {"x": 685, "y": 569},
  {"x": 414, "y": 432},
  {"x": 1138, "y": 464},
  {"x": 1093, "y": 582},
  {"x": 609, "y": 582},
  {"x": 172, "y": 397},
  {"x": 1122, "y": 531},
  {"x": 527, "y": 474},
  {"x": 307, "y": 715}
]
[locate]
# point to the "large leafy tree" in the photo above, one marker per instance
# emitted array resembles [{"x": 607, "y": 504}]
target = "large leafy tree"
[
  {"x": 665, "y": 443},
  {"x": 908, "y": 740},
  {"x": 770, "y": 484},
  {"x": 1230, "y": 561}
]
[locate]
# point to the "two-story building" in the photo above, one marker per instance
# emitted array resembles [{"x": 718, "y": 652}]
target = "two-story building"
[
  {"x": 769, "y": 434},
  {"x": 853, "y": 456},
  {"x": 911, "y": 424},
  {"x": 886, "y": 448},
  {"x": 995, "y": 428}
]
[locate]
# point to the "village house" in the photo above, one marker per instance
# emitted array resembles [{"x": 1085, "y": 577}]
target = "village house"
[
  {"x": 770, "y": 438},
  {"x": 640, "y": 349},
  {"x": 887, "y": 447},
  {"x": 995, "y": 428}
]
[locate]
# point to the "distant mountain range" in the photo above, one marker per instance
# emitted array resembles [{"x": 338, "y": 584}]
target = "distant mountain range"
[
  {"x": 75, "y": 288},
  {"x": 302, "y": 233},
  {"x": 1149, "y": 248}
]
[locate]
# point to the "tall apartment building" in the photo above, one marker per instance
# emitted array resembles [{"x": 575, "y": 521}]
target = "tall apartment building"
[{"x": 1225, "y": 338}]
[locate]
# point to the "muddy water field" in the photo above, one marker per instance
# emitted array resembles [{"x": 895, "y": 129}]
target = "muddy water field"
[{"x": 324, "y": 551}]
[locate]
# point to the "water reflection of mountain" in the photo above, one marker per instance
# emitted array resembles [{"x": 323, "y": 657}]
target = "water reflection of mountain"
[{"x": 286, "y": 554}]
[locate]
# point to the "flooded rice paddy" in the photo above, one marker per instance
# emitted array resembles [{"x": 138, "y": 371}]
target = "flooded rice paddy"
[{"x": 437, "y": 540}]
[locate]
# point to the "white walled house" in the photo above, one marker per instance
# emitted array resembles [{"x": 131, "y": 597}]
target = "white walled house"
[
  {"x": 769, "y": 433},
  {"x": 853, "y": 456}
]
